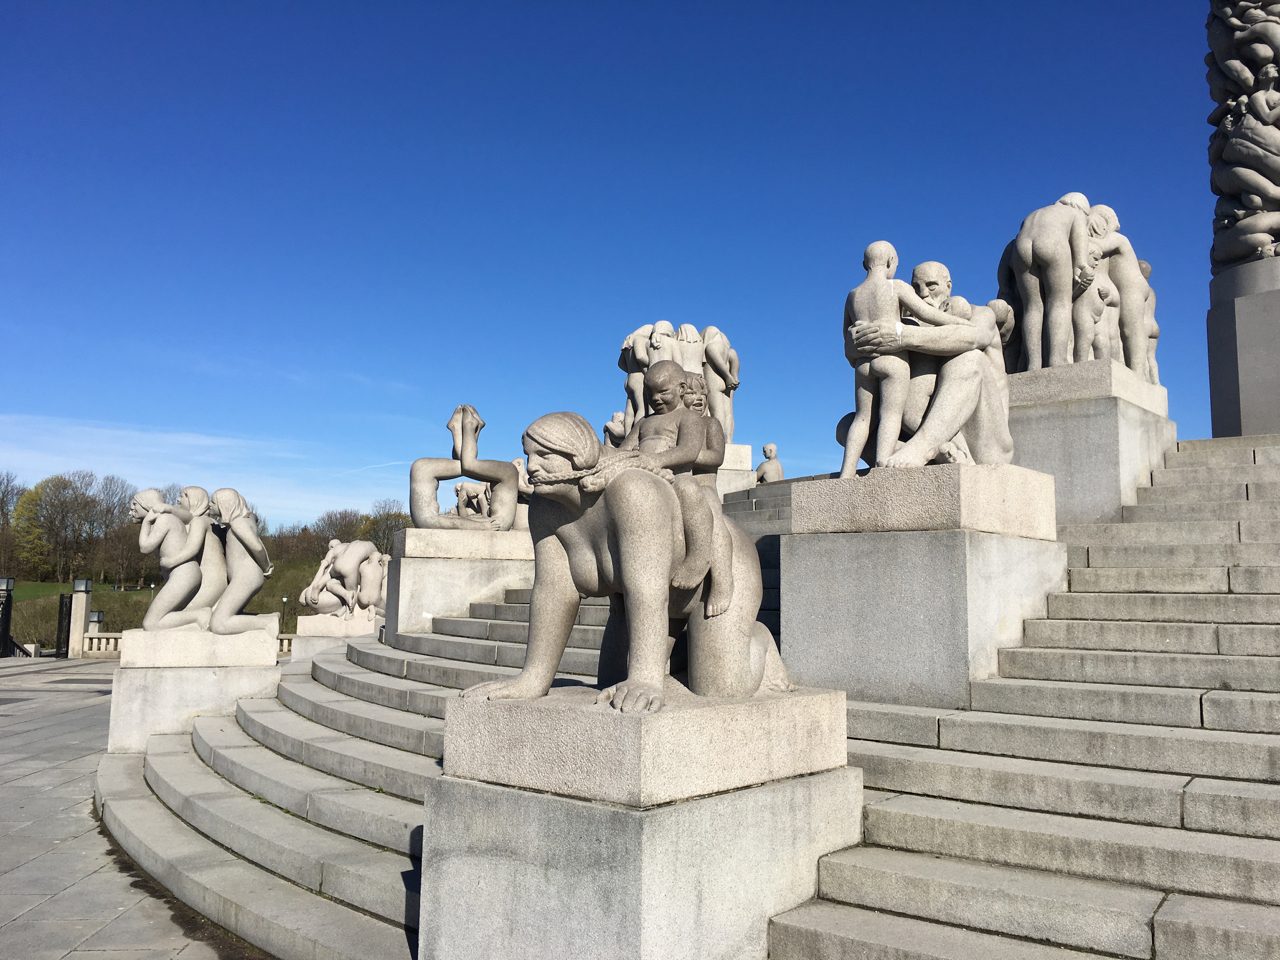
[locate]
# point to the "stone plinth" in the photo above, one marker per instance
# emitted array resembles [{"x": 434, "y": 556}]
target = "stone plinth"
[
  {"x": 167, "y": 678},
  {"x": 1097, "y": 428},
  {"x": 567, "y": 744},
  {"x": 538, "y": 872},
  {"x": 440, "y": 573},
  {"x": 362, "y": 623},
  {"x": 737, "y": 472},
  {"x": 911, "y": 616},
  {"x": 1243, "y": 328}
]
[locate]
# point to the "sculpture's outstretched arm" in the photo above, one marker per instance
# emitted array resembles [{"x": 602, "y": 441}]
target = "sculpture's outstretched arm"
[
  {"x": 949, "y": 341},
  {"x": 194, "y": 543},
  {"x": 717, "y": 359},
  {"x": 922, "y": 309}
]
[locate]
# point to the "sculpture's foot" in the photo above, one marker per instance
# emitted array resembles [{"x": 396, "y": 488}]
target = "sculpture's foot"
[
  {"x": 720, "y": 596},
  {"x": 517, "y": 688},
  {"x": 906, "y": 457},
  {"x": 775, "y": 679},
  {"x": 471, "y": 419},
  {"x": 690, "y": 572},
  {"x": 633, "y": 696},
  {"x": 202, "y": 617},
  {"x": 951, "y": 453}
]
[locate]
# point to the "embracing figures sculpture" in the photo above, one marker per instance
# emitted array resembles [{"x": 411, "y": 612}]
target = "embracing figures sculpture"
[{"x": 609, "y": 523}]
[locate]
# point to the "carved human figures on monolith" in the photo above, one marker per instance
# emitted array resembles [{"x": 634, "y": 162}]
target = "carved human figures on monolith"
[
  {"x": 721, "y": 371},
  {"x": 609, "y": 523},
  {"x": 770, "y": 468},
  {"x": 350, "y": 582},
  {"x": 427, "y": 472}
]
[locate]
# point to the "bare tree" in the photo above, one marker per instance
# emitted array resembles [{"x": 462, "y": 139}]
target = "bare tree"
[
  {"x": 380, "y": 526},
  {"x": 341, "y": 525},
  {"x": 10, "y": 491}
]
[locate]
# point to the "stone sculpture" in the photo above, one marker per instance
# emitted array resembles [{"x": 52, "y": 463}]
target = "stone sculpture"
[
  {"x": 1150, "y": 325},
  {"x": 633, "y": 360},
  {"x": 609, "y": 523},
  {"x": 690, "y": 350},
  {"x": 473, "y": 499},
  {"x": 957, "y": 403},
  {"x": 351, "y": 581},
  {"x": 248, "y": 566},
  {"x": 1244, "y": 149},
  {"x": 721, "y": 371},
  {"x": 161, "y": 530},
  {"x": 194, "y": 511},
  {"x": 426, "y": 473},
  {"x": 770, "y": 469},
  {"x": 616, "y": 430},
  {"x": 1115, "y": 256}
]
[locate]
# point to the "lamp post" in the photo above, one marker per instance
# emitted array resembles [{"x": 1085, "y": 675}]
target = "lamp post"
[{"x": 7, "y": 646}]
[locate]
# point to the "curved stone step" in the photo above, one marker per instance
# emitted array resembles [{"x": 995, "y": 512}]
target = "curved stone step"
[
  {"x": 1178, "y": 607},
  {"x": 347, "y": 676},
  {"x": 1050, "y": 908},
  {"x": 369, "y": 721},
  {"x": 1163, "y": 858},
  {"x": 383, "y": 883},
  {"x": 1133, "y": 796},
  {"x": 821, "y": 929},
  {"x": 406, "y": 660},
  {"x": 1118, "y": 702},
  {"x": 283, "y": 919},
  {"x": 1196, "y": 670},
  {"x": 323, "y": 799},
  {"x": 589, "y": 614},
  {"x": 575, "y": 660},
  {"x": 481, "y": 627},
  {"x": 1132, "y": 746},
  {"x": 393, "y": 771}
]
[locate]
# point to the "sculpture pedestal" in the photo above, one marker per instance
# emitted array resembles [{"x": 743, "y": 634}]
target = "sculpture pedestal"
[
  {"x": 167, "y": 678},
  {"x": 562, "y": 828},
  {"x": 1243, "y": 328},
  {"x": 440, "y": 573},
  {"x": 324, "y": 631},
  {"x": 737, "y": 472},
  {"x": 901, "y": 586},
  {"x": 1097, "y": 428}
]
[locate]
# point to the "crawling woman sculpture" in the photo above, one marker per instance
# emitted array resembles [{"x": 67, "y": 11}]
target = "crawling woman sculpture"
[{"x": 608, "y": 523}]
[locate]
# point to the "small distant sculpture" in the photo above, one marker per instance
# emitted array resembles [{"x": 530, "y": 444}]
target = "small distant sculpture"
[
  {"x": 609, "y": 523},
  {"x": 473, "y": 499},
  {"x": 633, "y": 360},
  {"x": 721, "y": 371},
  {"x": 350, "y": 582},
  {"x": 1150, "y": 324},
  {"x": 1244, "y": 149},
  {"x": 426, "y": 473},
  {"x": 883, "y": 379},
  {"x": 770, "y": 469},
  {"x": 248, "y": 566},
  {"x": 1114, "y": 253},
  {"x": 957, "y": 405},
  {"x": 616, "y": 430}
]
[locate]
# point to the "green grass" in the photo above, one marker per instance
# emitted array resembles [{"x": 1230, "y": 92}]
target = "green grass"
[{"x": 31, "y": 589}]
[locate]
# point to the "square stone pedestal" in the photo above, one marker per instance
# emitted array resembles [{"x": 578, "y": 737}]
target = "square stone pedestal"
[
  {"x": 562, "y": 828},
  {"x": 737, "y": 472},
  {"x": 901, "y": 586},
  {"x": 1097, "y": 428},
  {"x": 167, "y": 678},
  {"x": 440, "y": 573},
  {"x": 1243, "y": 329}
]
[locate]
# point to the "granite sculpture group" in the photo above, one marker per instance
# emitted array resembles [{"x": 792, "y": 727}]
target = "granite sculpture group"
[
  {"x": 350, "y": 582},
  {"x": 212, "y": 558},
  {"x": 709, "y": 354},
  {"x": 490, "y": 505}
]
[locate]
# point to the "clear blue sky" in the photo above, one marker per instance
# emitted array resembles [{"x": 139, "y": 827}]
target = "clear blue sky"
[{"x": 271, "y": 245}]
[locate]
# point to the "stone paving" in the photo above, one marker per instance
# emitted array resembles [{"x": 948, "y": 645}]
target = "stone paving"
[{"x": 65, "y": 890}]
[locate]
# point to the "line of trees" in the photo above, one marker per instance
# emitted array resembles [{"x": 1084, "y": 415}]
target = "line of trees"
[{"x": 77, "y": 524}]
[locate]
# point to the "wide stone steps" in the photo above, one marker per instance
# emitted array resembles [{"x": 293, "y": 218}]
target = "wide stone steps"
[
  {"x": 507, "y": 631},
  {"x": 1210, "y": 454},
  {"x": 378, "y": 881},
  {"x": 1203, "y": 492},
  {"x": 1184, "y": 555},
  {"x": 1233, "y": 579},
  {"x": 435, "y": 671},
  {"x": 283, "y": 919},
  {"x": 1066, "y": 911},
  {"x": 1204, "y": 671},
  {"x": 1166, "y": 637},
  {"x": 1166, "y": 533},
  {"x": 1215, "y": 753},
  {"x": 1118, "y": 702},
  {"x": 1178, "y": 607},
  {"x": 1228, "y": 510},
  {"x": 379, "y": 767},
  {"x": 321, "y": 798},
  {"x": 399, "y": 729},
  {"x": 1175, "y": 860},
  {"x": 576, "y": 660},
  {"x": 347, "y": 676},
  {"x": 1200, "y": 475}
]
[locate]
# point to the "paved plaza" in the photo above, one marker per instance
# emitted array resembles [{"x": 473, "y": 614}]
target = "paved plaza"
[{"x": 65, "y": 889}]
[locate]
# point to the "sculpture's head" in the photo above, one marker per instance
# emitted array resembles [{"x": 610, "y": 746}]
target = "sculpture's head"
[
  {"x": 688, "y": 333},
  {"x": 662, "y": 328},
  {"x": 560, "y": 447},
  {"x": 1102, "y": 220},
  {"x": 770, "y": 451},
  {"x": 1268, "y": 74},
  {"x": 143, "y": 502},
  {"x": 196, "y": 500},
  {"x": 335, "y": 542},
  {"x": 1250, "y": 17},
  {"x": 1077, "y": 201},
  {"x": 1145, "y": 267},
  {"x": 711, "y": 333},
  {"x": 664, "y": 386},
  {"x": 228, "y": 505},
  {"x": 960, "y": 307},
  {"x": 880, "y": 254},
  {"x": 932, "y": 281},
  {"x": 695, "y": 392}
]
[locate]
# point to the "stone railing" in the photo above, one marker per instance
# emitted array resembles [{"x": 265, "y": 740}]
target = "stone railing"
[{"x": 106, "y": 646}]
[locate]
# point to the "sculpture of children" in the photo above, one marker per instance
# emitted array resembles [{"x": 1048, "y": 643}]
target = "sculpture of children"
[
  {"x": 881, "y": 297},
  {"x": 720, "y": 591},
  {"x": 350, "y": 575},
  {"x": 633, "y": 360},
  {"x": 1130, "y": 286},
  {"x": 770, "y": 469},
  {"x": 193, "y": 510},
  {"x": 248, "y": 566},
  {"x": 162, "y": 530},
  {"x": 616, "y": 430},
  {"x": 721, "y": 370},
  {"x": 674, "y": 437},
  {"x": 1152, "y": 328}
]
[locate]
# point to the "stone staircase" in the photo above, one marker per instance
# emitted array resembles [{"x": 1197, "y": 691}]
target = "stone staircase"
[{"x": 1115, "y": 791}]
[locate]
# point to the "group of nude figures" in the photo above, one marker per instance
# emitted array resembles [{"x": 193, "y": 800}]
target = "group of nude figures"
[
  {"x": 1077, "y": 291},
  {"x": 212, "y": 556},
  {"x": 351, "y": 580},
  {"x": 1244, "y": 148},
  {"x": 708, "y": 354}
]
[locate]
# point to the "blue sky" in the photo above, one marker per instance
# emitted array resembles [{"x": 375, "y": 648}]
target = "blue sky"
[{"x": 272, "y": 245}]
